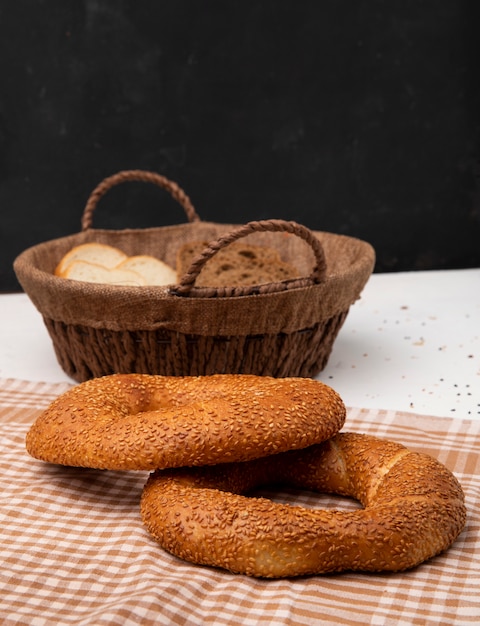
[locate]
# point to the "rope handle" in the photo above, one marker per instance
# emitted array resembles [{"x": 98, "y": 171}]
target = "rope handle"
[
  {"x": 138, "y": 176},
  {"x": 187, "y": 286}
]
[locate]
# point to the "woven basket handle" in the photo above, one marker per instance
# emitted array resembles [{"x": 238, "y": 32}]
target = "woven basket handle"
[
  {"x": 187, "y": 287},
  {"x": 138, "y": 176}
]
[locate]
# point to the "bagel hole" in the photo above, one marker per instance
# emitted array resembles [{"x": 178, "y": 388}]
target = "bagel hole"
[{"x": 286, "y": 494}]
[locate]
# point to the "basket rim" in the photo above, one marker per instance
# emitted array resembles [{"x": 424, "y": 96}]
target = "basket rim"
[{"x": 117, "y": 308}]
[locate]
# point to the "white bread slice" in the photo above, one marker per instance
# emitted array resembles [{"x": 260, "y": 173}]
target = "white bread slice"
[
  {"x": 98, "y": 253},
  {"x": 153, "y": 270},
  {"x": 92, "y": 273}
]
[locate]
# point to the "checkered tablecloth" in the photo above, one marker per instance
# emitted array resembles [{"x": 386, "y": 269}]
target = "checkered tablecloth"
[{"x": 74, "y": 549}]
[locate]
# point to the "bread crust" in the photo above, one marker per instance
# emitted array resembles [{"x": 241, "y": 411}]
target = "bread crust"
[
  {"x": 413, "y": 509},
  {"x": 145, "y": 422}
]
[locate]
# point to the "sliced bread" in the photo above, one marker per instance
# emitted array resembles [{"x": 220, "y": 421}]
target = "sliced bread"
[
  {"x": 98, "y": 253},
  {"x": 93, "y": 273},
  {"x": 236, "y": 265},
  {"x": 154, "y": 271}
]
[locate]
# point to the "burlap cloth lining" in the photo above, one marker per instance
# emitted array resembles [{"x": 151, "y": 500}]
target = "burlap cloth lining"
[{"x": 350, "y": 263}]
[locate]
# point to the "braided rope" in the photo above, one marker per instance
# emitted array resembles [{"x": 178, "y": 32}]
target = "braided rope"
[
  {"x": 138, "y": 176},
  {"x": 187, "y": 283}
]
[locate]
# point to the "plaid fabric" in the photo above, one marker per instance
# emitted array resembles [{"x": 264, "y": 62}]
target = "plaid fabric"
[{"x": 74, "y": 550}]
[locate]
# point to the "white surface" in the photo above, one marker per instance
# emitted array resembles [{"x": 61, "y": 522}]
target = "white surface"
[{"x": 412, "y": 343}]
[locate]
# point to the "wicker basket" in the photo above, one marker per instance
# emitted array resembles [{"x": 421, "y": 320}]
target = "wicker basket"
[{"x": 279, "y": 329}]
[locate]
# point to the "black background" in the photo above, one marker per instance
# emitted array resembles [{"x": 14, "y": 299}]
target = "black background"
[{"x": 354, "y": 116}]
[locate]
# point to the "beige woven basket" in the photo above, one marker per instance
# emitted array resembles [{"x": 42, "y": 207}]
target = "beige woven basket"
[{"x": 279, "y": 329}]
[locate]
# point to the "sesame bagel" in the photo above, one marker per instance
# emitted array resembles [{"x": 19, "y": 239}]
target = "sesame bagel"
[
  {"x": 145, "y": 422},
  {"x": 413, "y": 508}
]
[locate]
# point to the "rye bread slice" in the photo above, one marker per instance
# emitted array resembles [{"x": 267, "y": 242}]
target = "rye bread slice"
[{"x": 237, "y": 265}]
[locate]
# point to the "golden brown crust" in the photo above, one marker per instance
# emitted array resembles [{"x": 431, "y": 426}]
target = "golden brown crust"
[
  {"x": 413, "y": 508},
  {"x": 144, "y": 422}
]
